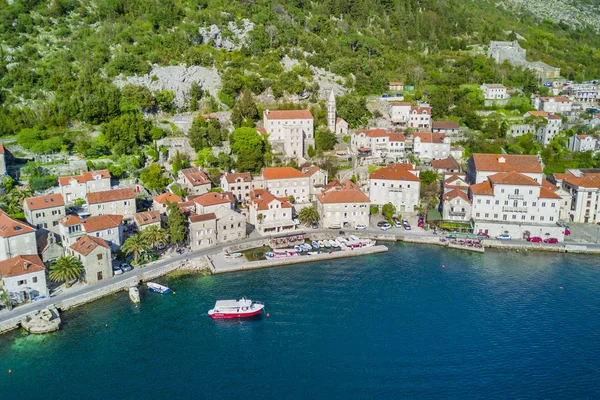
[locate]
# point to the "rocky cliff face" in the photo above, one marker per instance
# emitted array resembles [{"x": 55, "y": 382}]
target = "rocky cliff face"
[{"x": 577, "y": 14}]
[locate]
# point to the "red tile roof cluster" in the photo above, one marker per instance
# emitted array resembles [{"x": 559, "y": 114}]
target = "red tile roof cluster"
[
  {"x": 238, "y": 177},
  {"x": 262, "y": 131},
  {"x": 42, "y": 202},
  {"x": 167, "y": 197},
  {"x": 99, "y": 223},
  {"x": 507, "y": 163},
  {"x": 373, "y": 133},
  {"x": 311, "y": 170},
  {"x": 483, "y": 188},
  {"x": 195, "y": 176},
  {"x": 554, "y": 116},
  {"x": 147, "y": 217},
  {"x": 214, "y": 198},
  {"x": 401, "y": 104},
  {"x": 261, "y": 198},
  {"x": 542, "y": 114},
  {"x": 556, "y": 99},
  {"x": 108, "y": 196},
  {"x": 584, "y": 137},
  {"x": 346, "y": 192},
  {"x": 202, "y": 217},
  {"x": 445, "y": 125},
  {"x": 12, "y": 227},
  {"x": 585, "y": 181},
  {"x": 86, "y": 244},
  {"x": 546, "y": 193},
  {"x": 445, "y": 163},
  {"x": 85, "y": 177},
  {"x": 456, "y": 193},
  {"x": 396, "y": 172},
  {"x": 430, "y": 137},
  {"x": 512, "y": 178},
  {"x": 21, "y": 265},
  {"x": 282, "y": 173},
  {"x": 288, "y": 114}
]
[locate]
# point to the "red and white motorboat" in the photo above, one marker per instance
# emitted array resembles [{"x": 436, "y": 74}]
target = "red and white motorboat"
[{"x": 242, "y": 308}]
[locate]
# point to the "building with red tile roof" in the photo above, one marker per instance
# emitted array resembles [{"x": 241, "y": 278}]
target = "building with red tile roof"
[
  {"x": 23, "y": 277},
  {"x": 209, "y": 202},
  {"x": 343, "y": 205},
  {"x": 146, "y": 219},
  {"x": 287, "y": 182},
  {"x": 78, "y": 186},
  {"x": 480, "y": 166},
  {"x": 389, "y": 146},
  {"x": 269, "y": 213},
  {"x": 44, "y": 212},
  {"x": 431, "y": 146},
  {"x": 159, "y": 203},
  {"x": 456, "y": 206},
  {"x": 16, "y": 237},
  {"x": 239, "y": 184},
  {"x": 116, "y": 201},
  {"x": 291, "y": 130},
  {"x": 194, "y": 180},
  {"x": 95, "y": 255},
  {"x": 398, "y": 184},
  {"x": 108, "y": 227},
  {"x": 448, "y": 164}
]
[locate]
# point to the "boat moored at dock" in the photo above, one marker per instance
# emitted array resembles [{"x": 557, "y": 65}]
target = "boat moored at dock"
[
  {"x": 155, "y": 287},
  {"x": 243, "y": 308}
]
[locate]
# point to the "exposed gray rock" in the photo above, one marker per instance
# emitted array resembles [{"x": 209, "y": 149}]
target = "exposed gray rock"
[
  {"x": 214, "y": 36},
  {"x": 570, "y": 12}
]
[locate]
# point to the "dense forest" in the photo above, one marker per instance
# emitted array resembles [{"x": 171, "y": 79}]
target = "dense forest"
[{"x": 59, "y": 58}]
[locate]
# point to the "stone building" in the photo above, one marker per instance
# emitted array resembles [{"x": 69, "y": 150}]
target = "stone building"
[
  {"x": 231, "y": 225},
  {"x": 16, "y": 237},
  {"x": 239, "y": 184},
  {"x": 119, "y": 201},
  {"x": 293, "y": 130},
  {"x": 146, "y": 219},
  {"x": 194, "y": 180},
  {"x": 95, "y": 255},
  {"x": 398, "y": 184},
  {"x": 343, "y": 205},
  {"x": 23, "y": 278},
  {"x": 203, "y": 230},
  {"x": 44, "y": 212},
  {"x": 287, "y": 182},
  {"x": 78, "y": 186}
]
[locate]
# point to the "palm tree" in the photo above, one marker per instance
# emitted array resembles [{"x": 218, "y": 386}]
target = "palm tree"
[
  {"x": 154, "y": 236},
  {"x": 135, "y": 245},
  {"x": 308, "y": 215},
  {"x": 66, "y": 268}
]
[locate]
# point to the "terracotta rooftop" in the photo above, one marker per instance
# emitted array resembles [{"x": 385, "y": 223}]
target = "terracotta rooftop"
[
  {"x": 70, "y": 220},
  {"x": 429, "y": 137},
  {"x": 282, "y": 173},
  {"x": 41, "y": 202},
  {"x": 483, "y": 189},
  {"x": 147, "y": 217},
  {"x": 512, "y": 178},
  {"x": 195, "y": 176},
  {"x": 584, "y": 137},
  {"x": 12, "y": 227},
  {"x": 586, "y": 181},
  {"x": 238, "y": 177},
  {"x": 85, "y": 177},
  {"x": 396, "y": 172},
  {"x": 396, "y": 84},
  {"x": 454, "y": 193},
  {"x": 445, "y": 125},
  {"x": 453, "y": 178},
  {"x": 288, "y": 114},
  {"x": 101, "y": 222},
  {"x": 261, "y": 198},
  {"x": 202, "y": 217},
  {"x": 543, "y": 114},
  {"x": 21, "y": 265},
  {"x": 262, "y": 131},
  {"x": 167, "y": 197},
  {"x": 1, "y": 148},
  {"x": 420, "y": 110},
  {"x": 347, "y": 192},
  {"x": 554, "y": 116},
  {"x": 110, "y": 195},
  {"x": 546, "y": 193},
  {"x": 549, "y": 185},
  {"x": 373, "y": 133},
  {"x": 446, "y": 163},
  {"x": 311, "y": 170},
  {"x": 86, "y": 244},
  {"x": 507, "y": 163},
  {"x": 396, "y": 137},
  {"x": 556, "y": 99},
  {"x": 214, "y": 198}
]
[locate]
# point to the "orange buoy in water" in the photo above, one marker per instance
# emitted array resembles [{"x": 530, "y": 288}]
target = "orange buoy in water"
[
  {"x": 268, "y": 315},
  {"x": 10, "y": 371},
  {"x": 443, "y": 266}
]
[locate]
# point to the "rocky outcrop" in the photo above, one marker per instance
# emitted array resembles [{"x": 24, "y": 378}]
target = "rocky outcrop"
[
  {"x": 233, "y": 40},
  {"x": 571, "y": 12}
]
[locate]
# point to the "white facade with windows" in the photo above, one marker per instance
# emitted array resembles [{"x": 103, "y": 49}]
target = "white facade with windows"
[
  {"x": 583, "y": 143},
  {"x": 292, "y": 128},
  {"x": 398, "y": 184},
  {"x": 546, "y": 133}
]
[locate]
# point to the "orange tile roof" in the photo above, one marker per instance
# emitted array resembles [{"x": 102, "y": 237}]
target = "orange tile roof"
[
  {"x": 445, "y": 125},
  {"x": 21, "y": 265},
  {"x": 483, "y": 189},
  {"x": 549, "y": 185},
  {"x": 261, "y": 198},
  {"x": 202, "y": 217},
  {"x": 110, "y": 195},
  {"x": 41, "y": 202},
  {"x": 396, "y": 137},
  {"x": 373, "y": 133},
  {"x": 396, "y": 172},
  {"x": 546, "y": 193},
  {"x": 445, "y": 163},
  {"x": 242, "y": 176},
  {"x": 538, "y": 114},
  {"x": 1, "y": 148},
  {"x": 167, "y": 197},
  {"x": 347, "y": 194},
  {"x": 70, "y": 220},
  {"x": 282, "y": 173},
  {"x": 311, "y": 170},
  {"x": 85, "y": 177},
  {"x": 456, "y": 193},
  {"x": 556, "y": 99},
  {"x": 586, "y": 181},
  {"x": 288, "y": 114},
  {"x": 86, "y": 244},
  {"x": 583, "y": 137},
  {"x": 512, "y": 178},
  {"x": 420, "y": 110},
  {"x": 262, "y": 131},
  {"x": 12, "y": 227},
  {"x": 147, "y": 217},
  {"x": 396, "y": 84},
  {"x": 554, "y": 116},
  {"x": 195, "y": 176},
  {"x": 93, "y": 224},
  {"x": 430, "y": 137},
  {"x": 453, "y": 178},
  {"x": 512, "y": 162},
  {"x": 214, "y": 198}
]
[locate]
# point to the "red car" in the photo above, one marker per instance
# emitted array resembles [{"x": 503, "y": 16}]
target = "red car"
[
  {"x": 535, "y": 239},
  {"x": 567, "y": 231},
  {"x": 551, "y": 240},
  {"x": 483, "y": 234}
]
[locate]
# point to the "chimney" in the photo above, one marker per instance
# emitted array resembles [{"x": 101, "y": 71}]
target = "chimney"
[
  {"x": 501, "y": 160},
  {"x": 25, "y": 265},
  {"x": 267, "y": 112}
]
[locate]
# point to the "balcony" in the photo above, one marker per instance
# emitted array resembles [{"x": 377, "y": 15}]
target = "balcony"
[
  {"x": 515, "y": 209},
  {"x": 516, "y": 196}
]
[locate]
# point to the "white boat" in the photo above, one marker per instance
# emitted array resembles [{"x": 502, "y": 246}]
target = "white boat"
[
  {"x": 242, "y": 308},
  {"x": 334, "y": 243},
  {"x": 321, "y": 243},
  {"x": 352, "y": 238},
  {"x": 312, "y": 253},
  {"x": 155, "y": 287},
  {"x": 326, "y": 243},
  {"x": 134, "y": 294},
  {"x": 315, "y": 245},
  {"x": 340, "y": 240},
  {"x": 281, "y": 253},
  {"x": 233, "y": 255}
]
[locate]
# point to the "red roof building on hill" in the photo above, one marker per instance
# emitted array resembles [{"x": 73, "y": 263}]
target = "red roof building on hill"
[
  {"x": 287, "y": 182},
  {"x": 194, "y": 180},
  {"x": 270, "y": 213},
  {"x": 343, "y": 205},
  {"x": 210, "y": 202},
  {"x": 23, "y": 277},
  {"x": 78, "y": 186},
  {"x": 116, "y": 201},
  {"x": 398, "y": 184},
  {"x": 480, "y": 166},
  {"x": 448, "y": 164},
  {"x": 95, "y": 255},
  {"x": 146, "y": 219},
  {"x": 44, "y": 212}
]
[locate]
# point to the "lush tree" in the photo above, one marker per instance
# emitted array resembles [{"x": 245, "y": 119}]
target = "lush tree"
[
  {"x": 249, "y": 147},
  {"x": 325, "y": 140},
  {"x": 136, "y": 245},
  {"x": 66, "y": 269},
  {"x": 388, "y": 210},
  {"x": 308, "y": 215},
  {"x": 428, "y": 176},
  {"x": 180, "y": 161},
  {"x": 154, "y": 236},
  {"x": 353, "y": 109},
  {"x": 153, "y": 178},
  {"x": 41, "y": 183},
  {"x": 195, "y": 95},
  {"x": 136, "y": 98},
  {"x": 176, "y": 223},
  {"x": 244, "y": 111},
  {"x": 164, "y": 99},
  {"x": 126, "y": 133},
  {"x": 206, "y": 158}
]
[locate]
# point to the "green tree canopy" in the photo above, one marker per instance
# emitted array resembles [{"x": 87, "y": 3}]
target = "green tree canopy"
[
  {"x": 153, "y": 179},
  {"x": 177, "y": 224}
]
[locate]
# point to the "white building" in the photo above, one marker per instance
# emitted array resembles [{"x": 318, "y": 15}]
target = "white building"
[
  {"x": 159, "y": 203},
  {"x": 210, "y": 202},
  {"x": 24, "y": 278},
  {"x": 343, "y": 206},
  {"x": 16, "y": 238},
  {"x": 107, "y": 227},
  {"x": 379, "y": 143},
  {"x": 117, "y": 201},
  {"x": 44, "y": 212},
  {"x": 317, "y": 178},
  {"x": 203, "y": 230},
  {"x": 396, "y": 86},
  {"x": 96, "y": 257},
  {"x": 400, "y": 112},
  {"x": 398, "y": 184},
  {"x": 287, "y": 182},
  {"x": 480, "y": 166},
  {"x": 431, "y": 146},
  {"x": 546, "y": 132},
  {"x": 583, "y": 92},
  {"x": 239, "y": 184},
  {"x": 455, "y": 181},
  {"x": 456, "y": 206},
  {"x": 514, "y": 203},
  {"x": 270, "y": 214},
  {"x": 449, "y": 128},
  {"x": 584, "y": 189},
  {"x": 341, "y": 127},
  {"x": 78, "y": 186},
  {"x": 494, "y": 93},
  {"x": 583, "y": 143},
  {"x": 420, "y": 117},
  {"x": 552, "y": 104},
  {"x": 292, "y": 129},
  {"x": 194, "y": 180},
  {"x": 146, "y": 219}
]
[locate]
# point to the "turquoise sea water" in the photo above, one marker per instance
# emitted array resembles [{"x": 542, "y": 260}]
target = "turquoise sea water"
[{"x": 389, "y": 326}]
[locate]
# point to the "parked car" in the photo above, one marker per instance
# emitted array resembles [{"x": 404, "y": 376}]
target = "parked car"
[
  {"x": 551, "y": 240},
  {"x": 117, "y": 270},
  {"x": 382, "y": 223},
  {"x": 504, "y": 236},
  {"x": 406, "y": 225},
  {"x": 483, "y": 234},
  {"x": 385, "y": 227},
  {"x": 534, "y": 239},
  {"x": 315, "y": 225},
  {"x": 397, "y": 222},
  {"x": 360, "y": 227},
  {"x": 126, "y": 267}
]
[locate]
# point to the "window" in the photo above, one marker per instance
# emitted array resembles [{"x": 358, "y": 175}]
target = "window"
[
  {"x": 541, "y": 218},
  {"x": 552, "y": 205},
  {"x": 478, "y": 201},
  {"x": 533, "y": 217},
  {"x": 487, "y": 202},
  {"x": 99, "y": 256},
  {"x": 516, "y": 191},
  {"x": 505, "y": 202},
  {"x": 487, "y": 215},
  {"x": 522, "y": 217},
  {"x": 23, "y": 282},
  {"x": 552, "y": 218},
  {"x": 504, "y": 217},
  {"x": 477, "y": 215},
  {"x": 534, "y": 204},
  {"x": 34, "y": 279},
  {"x": 497, "y": 202},
  {"x": 543, "y": 204},
  {"x": 495, "y": 216},
  {"x": 99, "y": 275},
  {"x": 514, "y": 217},
  {"x": 524, "y": 204}
]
